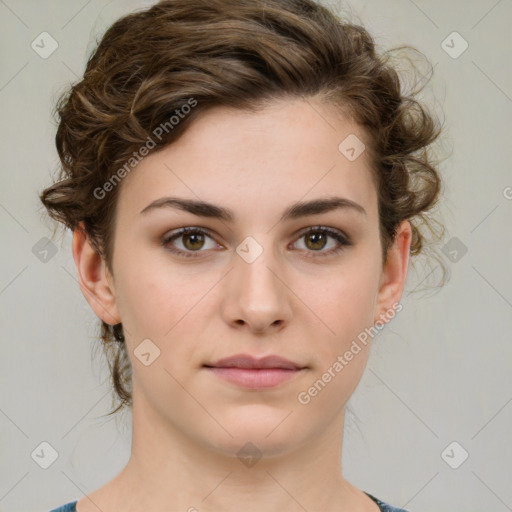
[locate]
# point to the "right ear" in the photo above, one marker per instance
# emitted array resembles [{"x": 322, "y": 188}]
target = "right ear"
[{"x": 95, "y": 280}]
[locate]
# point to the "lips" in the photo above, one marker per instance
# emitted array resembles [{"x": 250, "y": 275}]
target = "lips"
[
  {"x": 255, "y": 373},
  {"x": 247, "y": 361}
]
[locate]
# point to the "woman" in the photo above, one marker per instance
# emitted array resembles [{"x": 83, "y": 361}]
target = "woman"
[{"x": 242, "y": 180}]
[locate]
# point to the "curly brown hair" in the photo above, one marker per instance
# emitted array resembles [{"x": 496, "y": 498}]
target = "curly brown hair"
[{"x": 150, "y": 64}]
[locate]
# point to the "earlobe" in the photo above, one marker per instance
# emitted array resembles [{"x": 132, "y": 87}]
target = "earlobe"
[
  {"x": 94, "y": 279},
  {"x": 394, "y": 273}
]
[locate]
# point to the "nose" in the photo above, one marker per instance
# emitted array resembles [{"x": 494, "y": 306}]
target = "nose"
[{"x": 256, "y": 296}]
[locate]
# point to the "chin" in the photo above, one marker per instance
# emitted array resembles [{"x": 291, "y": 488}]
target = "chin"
[{"x": 268, "y": 432}]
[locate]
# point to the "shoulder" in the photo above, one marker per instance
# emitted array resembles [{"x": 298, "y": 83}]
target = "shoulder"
[
  {"x": 384, "y": 507},
  {"x": 68, "y": 507}
]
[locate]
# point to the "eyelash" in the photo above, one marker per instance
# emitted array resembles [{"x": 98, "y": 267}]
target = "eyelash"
[{"x": 343, "y": 240}]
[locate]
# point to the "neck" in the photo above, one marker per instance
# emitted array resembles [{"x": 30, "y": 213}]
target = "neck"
[{"x": 168, "y": 470}]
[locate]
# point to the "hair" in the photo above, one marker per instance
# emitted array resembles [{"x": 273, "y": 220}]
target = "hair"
[{"x": 154, "y": 64}]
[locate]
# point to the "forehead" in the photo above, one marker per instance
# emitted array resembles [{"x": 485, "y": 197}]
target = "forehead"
[{"x": 253, "y": 161}]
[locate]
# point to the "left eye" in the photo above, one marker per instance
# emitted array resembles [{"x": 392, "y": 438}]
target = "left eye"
[
  {"x": 193, "y": 241},
  {"x": 316, "y": 240}
]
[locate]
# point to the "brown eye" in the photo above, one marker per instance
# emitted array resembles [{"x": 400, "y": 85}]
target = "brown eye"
[
  {"x": 188, "y": 242},
  {"x": 316, "y": 241},
  {"x": 193, "y": 241},
  {"x": 317, "y": 238}
]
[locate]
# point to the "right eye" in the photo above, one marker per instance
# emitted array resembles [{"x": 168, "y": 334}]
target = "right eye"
[{"x": 192, "y": 240}]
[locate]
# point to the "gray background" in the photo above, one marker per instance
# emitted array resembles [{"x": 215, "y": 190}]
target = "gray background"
[{"x": 439, "y": 372}]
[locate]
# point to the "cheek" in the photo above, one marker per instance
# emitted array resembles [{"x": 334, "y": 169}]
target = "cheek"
[
  {"x": 155, "y": 305},
  {"x": 346, "y": 300},
  {"x": 166, "y": 306},
  {"x": 346, "y": 307},
  {"x": 152, "y": 296}
]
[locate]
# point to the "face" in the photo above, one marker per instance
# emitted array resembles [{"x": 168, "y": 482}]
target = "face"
[{"x": 270, "y": 276}]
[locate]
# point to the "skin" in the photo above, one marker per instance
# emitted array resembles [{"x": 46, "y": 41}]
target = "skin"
[{"x": 188, "y": 424}]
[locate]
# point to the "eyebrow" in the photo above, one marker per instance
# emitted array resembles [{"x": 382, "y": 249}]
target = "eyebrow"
[{"x": 294, "y": 211}]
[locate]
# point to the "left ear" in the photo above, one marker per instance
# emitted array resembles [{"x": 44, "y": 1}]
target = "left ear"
[{"x": 394, "y": 272}]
